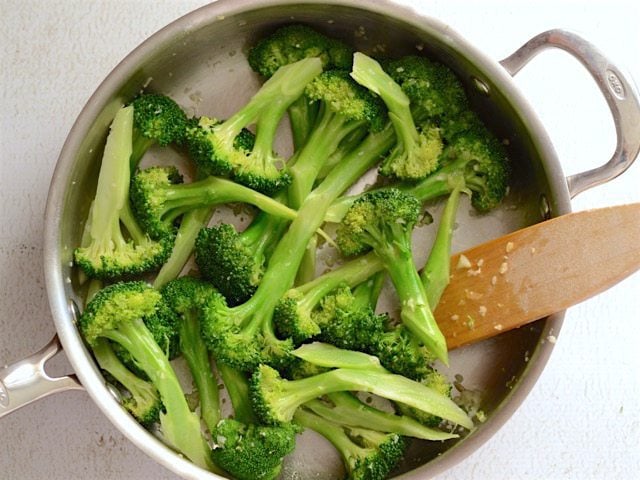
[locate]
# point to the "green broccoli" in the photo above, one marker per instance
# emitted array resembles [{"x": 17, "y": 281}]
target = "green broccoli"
[
  {"x": 275, "y": 399},
  {"x": 235, "y": 262},
  {"x": 290, "y": 44},
  {"x": 415, "y": 154},
  {"x": 347, "y": 319},
  {"x": 436, "y": 381},
  {"x": 117, "y": 313},
  {"x": 158, "y": 199},
  {"x": 115, "y": 244},
  {"x": 346, "y": 409},
  {"x": 383, "y": 220},
  {"x": 367, "y": 454},
  {"x": 345, "y": 107},
  {"x": 187, "y": 297},
  {"x": 192, "y": 222},
  {"x": 157, "y": 119},
  {"x": 212, "y": 144},
  {"x": 185, "y": 239},
  {"x": 244, "y": 336},
  {"x": 142, "y": 399},
  {"x": 244, "y": 448},
  {"x": 294, "y": 315},
  {"x": 434, "y": 91}
]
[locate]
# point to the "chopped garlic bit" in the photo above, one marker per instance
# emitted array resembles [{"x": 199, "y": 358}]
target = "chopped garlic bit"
[
  {"x": 498, "y": 327},
  {"x": 552, "y": 339},
  {"x": 471, "y": 295},
  {"x": 474, "y": 273},
  {"x": 494, "y": 280},
  {"x": 482, "y": 310},
  {"x": 463, "y": 262},
  {"x": 503, "y": 268},
  {"x": 470, "y": 323},
  {"x": 455, "y": 317},
  {"x": 480, "y": 262},
  {"x": 509, "y": 247},
  {"x": 533, "y": 250}
]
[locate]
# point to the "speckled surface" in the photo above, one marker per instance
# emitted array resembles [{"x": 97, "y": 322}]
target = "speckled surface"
[{"x": 582, "y": 420}]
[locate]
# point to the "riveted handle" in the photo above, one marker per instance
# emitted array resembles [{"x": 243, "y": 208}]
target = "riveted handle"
[
  {"x": 26, "y": 381},
  {"x": 618, "y": 91}
]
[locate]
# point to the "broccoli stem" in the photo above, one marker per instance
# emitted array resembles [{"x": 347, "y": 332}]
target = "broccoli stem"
[
  {"x": 351, "y": 273},
  {"x": 237, "y": 387},
  {"x": 434, "y": 186},
  {"x": 368, "y": 73},
  {"x": 112, "y": 192},
  {"x": 307, "y": 268},
  {"x": 269, "y": 104},
  {"x": 325, "y": 137},
  {"x": 213, "y": 190},
  {"x": 284, "y": 262},
  {"x": 302, "y": 116},
  {"x": 145, "y": 396},
  {"x": 196, "y": 355},
  {"x": 333, "y": 432},
  {"x": 415, "y": 311},
  {"x": 436, "y": 272},
  {"x": 191, "y": 223},
  {"x": 327, "y": 133},
  {"x": 180, "y": 426},
  {"x": 140, "y": 145},
  {"x": 290, "y": 394},
  {"x": 346, "y": 409}
]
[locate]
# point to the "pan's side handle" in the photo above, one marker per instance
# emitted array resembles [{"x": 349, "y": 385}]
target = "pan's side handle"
[
  {"x": 618, "y": 91},
  {"x": 26, "y": 381}
]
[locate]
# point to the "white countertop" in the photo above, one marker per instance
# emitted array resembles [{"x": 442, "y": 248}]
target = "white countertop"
[{"x": 581, "y": 421}]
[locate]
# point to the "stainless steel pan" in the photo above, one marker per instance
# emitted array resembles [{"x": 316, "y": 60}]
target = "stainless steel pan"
[{"x": 202, "y": 53}]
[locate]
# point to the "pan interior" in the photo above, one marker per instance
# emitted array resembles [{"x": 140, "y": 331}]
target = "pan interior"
[{"x": 204, "y": 69}]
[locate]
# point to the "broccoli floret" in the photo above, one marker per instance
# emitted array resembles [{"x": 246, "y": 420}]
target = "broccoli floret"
[
  {"x": 235, "y": 262},
  {"x": 434, "y": 90},
  {"x": 294, "y": 315},
  {"x": 417, "y": 149},
  {"x": 187, "y": 297},
  {"x": 252, "y": 452},
  {"x": 242, "y": 447},
  {"x": 347, "y": 319},
  {"x": 157, "y": 119},
  {"x": 436, "y": 381},
  {"x": 383, "y": 220},
  {"x": 346, "y": 409},
  {"x": 142, "y": 399},
  {"x": 345, "y": 106},
  {"x": 158, "y": 200},
  {"x": 259, "y": 167},
  {"x": 275, "y": 399},
  {"x": 290, "y": 44},
  {"x": 366, "y": 454},
  {"x": 117, "y": 313},
  {"x": 115, "y": 244}
]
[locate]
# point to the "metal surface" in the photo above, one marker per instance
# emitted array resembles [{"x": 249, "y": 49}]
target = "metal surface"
[
  {"x": 203, "y": 49},
  {"x": 26, "y": 381},
  {"x": 618, "y": 91}
]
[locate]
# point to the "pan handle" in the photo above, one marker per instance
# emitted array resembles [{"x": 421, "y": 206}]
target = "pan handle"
[
  {"x": 618, "y": 91},
  {"x": 26, "y": 381}
]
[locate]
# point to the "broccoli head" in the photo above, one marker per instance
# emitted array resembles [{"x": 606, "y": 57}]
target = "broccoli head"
[
  {"x": 116, "y": 246},
  {"x": 252, "y": 452},
  {"x": 157, "y": 119}
]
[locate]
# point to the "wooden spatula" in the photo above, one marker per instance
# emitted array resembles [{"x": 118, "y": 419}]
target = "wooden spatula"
[{"x": 534, "y": 272}]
